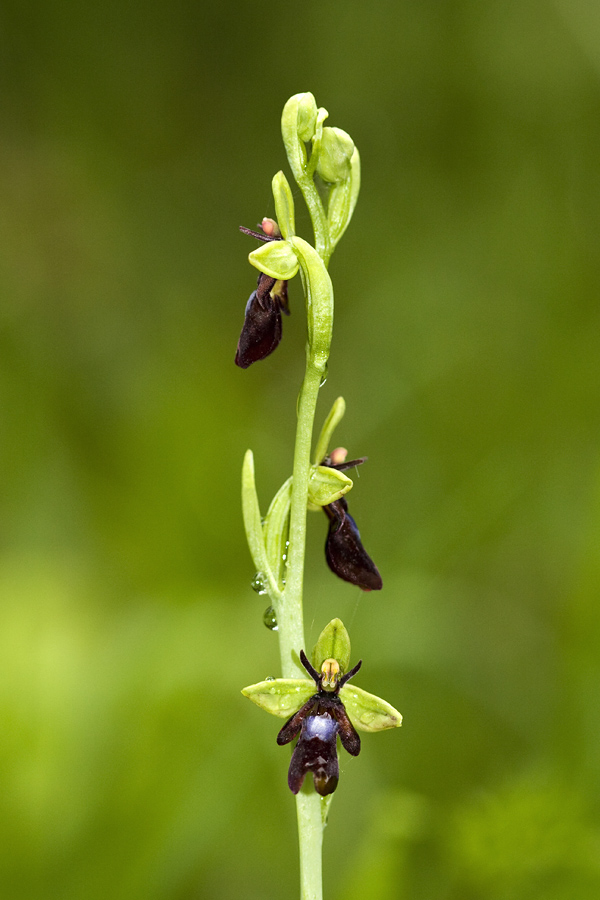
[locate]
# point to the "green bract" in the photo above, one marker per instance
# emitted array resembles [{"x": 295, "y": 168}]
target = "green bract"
[
  {"x": 368, "y": 712},
  {"x": 333, "y": 643},
  {"x": 276, "y": 259},
  {"x": 275, "y": 530},
  {"x": 253, "y": 525},
  {"x": 319, "y": 301},
  {"x": 335, "y": 152},
  {"x": 281, "y": 696},
  {"x": 327, "y": 485}
]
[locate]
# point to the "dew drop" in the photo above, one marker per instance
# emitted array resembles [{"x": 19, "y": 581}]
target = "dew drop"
[
  {"x": 270, "y": 678},
  {"x": 269, "y": 619},
  {"x": 259, "y": 584},
  {"x": 367, "y": 718},
  {"x": 324, "y": 377}
]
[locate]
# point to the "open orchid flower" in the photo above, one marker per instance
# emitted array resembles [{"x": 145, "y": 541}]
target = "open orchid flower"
[
  {"x": 322, "y": 718},
  {"x": 344, "y": 552},
  {"x": 262, "y": 329},
  {"x": 335, "y": 710}
]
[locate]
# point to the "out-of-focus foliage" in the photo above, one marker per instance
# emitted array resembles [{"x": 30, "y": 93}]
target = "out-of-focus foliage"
[{"x": 135, "y": 139}]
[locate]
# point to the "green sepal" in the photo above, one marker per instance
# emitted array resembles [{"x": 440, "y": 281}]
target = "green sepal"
[
  {"x": 281, "y": 696},
  {"x": 326, "y": 485},
  {"x": 333, "y": 643},
  {"x": 368, "y": 712},
  {"x": 331, "y": 422},
  {"x": 276, "y": 259},
  {"x": 336, "y": 148},
  {"x": 253, "y": 525},
  {"x": 284, "y": 205},
  {"x": 342, "y": 200},
  {"x": 276, "y": 529}
]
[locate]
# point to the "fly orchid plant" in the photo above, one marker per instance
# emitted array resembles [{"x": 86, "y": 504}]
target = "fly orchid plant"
[{"x": 319, "y": 709}]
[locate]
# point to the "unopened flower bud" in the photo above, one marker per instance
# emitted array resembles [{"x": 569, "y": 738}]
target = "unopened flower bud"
[
  {"x": 307, "y": 116},
  {"x": 335, "y": 154}
]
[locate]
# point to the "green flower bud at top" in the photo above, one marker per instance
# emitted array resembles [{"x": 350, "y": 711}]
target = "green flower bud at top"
[
  {"x": 276, "y": 259},
  {"x": 335, "y": 155},
  {"x": 333, "y": 643},
  {"x": 284, "y": 205},
  {"x": 327, "y": 485},
  {"x": 306, "y": 115},
  {"x": 281, "y": 696}
]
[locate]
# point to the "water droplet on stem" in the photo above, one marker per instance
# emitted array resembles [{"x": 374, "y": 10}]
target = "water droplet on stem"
[
  {"x": 270, "y": 619},
  {"x": 259, "y": 584}
]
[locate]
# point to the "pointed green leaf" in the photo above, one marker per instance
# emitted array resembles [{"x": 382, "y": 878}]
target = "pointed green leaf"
[
  {"x": 333, "y": 643},
  {"x": 276, "y": 259},
  {"x": 326, "y": 485},
  {"x": 331, "y": 422},
  {"x": 368, "y": 712},
  {"x": 284, "y": 205},
  {"x": 253, "y": 524},
  {"x": 276, "y": 529},
  {"x": 281, "y": 696}
]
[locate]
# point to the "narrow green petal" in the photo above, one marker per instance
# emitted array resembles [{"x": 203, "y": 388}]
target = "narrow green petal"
[
  {"x": 284, "y": 205},
  {"x": 334, "y": 418}
]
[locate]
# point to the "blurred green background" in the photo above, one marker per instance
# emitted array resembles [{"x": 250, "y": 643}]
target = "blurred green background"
[{"x": 135, "y": 138}]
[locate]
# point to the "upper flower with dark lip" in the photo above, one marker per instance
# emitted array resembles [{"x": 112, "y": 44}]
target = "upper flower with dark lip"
[
  {"x": 344, "y": 552},
  {"x": 262, "y": 329}
]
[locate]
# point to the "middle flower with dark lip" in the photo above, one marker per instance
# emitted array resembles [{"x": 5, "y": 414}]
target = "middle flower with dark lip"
[
  {"x": 344, "y": 552},
  {"x": 262, "y": 329}
]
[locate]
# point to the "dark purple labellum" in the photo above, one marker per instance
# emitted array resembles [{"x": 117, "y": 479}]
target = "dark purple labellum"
[
  {"x": 262, "y": 330},
  {"x": 319, "y": 721},
  {"x": 345, "y": 554}
]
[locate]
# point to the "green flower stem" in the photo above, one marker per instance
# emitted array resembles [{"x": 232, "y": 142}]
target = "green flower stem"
[
  {"x": 290, "y": 620},
  {"x": 289, "y": 612},
  {"x": 310, "y": 831}
]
